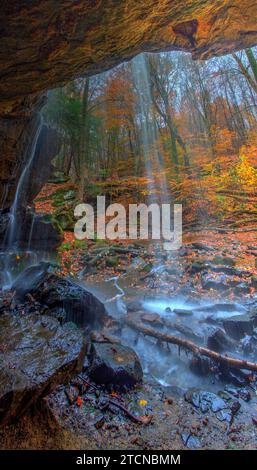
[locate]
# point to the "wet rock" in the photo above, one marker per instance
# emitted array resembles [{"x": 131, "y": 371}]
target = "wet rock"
[
  {"x": 172, "y": 271},
  {"x": 80, "y": 306},
  {"x": 242, "y": 288},
  {"x": 191, "y": 442},
  {"x": 197, "y": 267},
  {"x": 42, "y": 235},
  {"x": 224, "y": 260},
  {"x": 219, "y": 342},
  {"x": 238, "y": 377},
  {"x": 183, "y": 251},
  {"x": 29, "y": 279},
  {"x": 238, "y": 326},
  {"x": 222, "y": 307},
  {"x": 224, "y": 415},
  {"x": 205, "y": 401},
  {"x": 38, "y": 356},
  {"x": 230, "y": 271},
  {"x": 201, "y": 246},
  {"x": 220, "y": 283},
  {"x": 65, "y": 219},
  {"x": 58, "y": 177},
  {"x": 112, "y": 261},
  {"x": 185, "y": 330},
  {"x": 99, "y": 422},
  {"x": 114, "y": 364},
  {"x": 134, "y": 305},
  {"x": 247, "y": 343},
  {"x": 35, "y": 230},
  {"x": 245, "y": 394},
  {"x": 232, "y": 390},
  {"x": 152, "y": 318},
  {"x": 224, "y": 395},
  {"x": 183, "y": 312}
]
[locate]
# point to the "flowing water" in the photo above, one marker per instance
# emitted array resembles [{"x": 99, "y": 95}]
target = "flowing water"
[
  {"x": 11, "y": 256},
  {"x": 166, "y": 366}
]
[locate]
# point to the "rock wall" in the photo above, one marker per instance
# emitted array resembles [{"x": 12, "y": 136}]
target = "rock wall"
[{"x": 45, "y": 43}]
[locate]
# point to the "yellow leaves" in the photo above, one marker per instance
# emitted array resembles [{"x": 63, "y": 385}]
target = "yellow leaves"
[
  {"x": 142, "y": 402},
  {"x": 245, "y": 172}
]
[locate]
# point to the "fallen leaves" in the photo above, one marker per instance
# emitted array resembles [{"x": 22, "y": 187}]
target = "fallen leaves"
[
  {"x": 142, "y": 402},
  {"x": 145, "y": 420},
  {"x": 79, "y": 401}
]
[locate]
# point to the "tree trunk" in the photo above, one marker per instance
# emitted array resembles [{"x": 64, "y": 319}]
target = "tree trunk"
[{"x": 84, "y": 137}]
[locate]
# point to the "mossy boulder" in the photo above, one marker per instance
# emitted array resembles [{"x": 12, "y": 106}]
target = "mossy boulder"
[
  {"x": 112, "y": 261},
  {"x": 65, "y": 219},
  {"x": 224, "y": 260}
]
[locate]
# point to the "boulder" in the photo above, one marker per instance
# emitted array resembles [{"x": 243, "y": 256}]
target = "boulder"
[
  {"x": 40, "y": 234},
  {"x": 36, "y": 231},
  {"x": 61, "y": 298},
  {"x": 205, "y": 401},
  {"x": 218, "y": 282},
  {"x": 58, "y": 177},
  {"x": 36, "y": 356},
  {"x": 201, "y": 246},
  {"x": 182, "y": 312},
  {"x": 190, "y": 441},
  {"x": 224, "y": 260},
  {"x": 112, "y": 261},
  {"x": 152, "y": 318},
  {"x": 114, "y": 364},
  {"x": 80, "y": 306},
  {"x": 238, "y": 326},
  {"x": 65, "y": 219},
  {"x": 254, "y": 281},
  {"x": 218, "y": 341},
  {"x": 238, "y": 377},
  {"x": 198, "y": 266},
  {"x": 29, "y": 279}
]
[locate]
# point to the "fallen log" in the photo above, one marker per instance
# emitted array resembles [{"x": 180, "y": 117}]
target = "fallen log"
[{"x": 189, "y": 345}]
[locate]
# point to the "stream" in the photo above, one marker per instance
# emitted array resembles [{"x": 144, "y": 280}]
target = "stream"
[{"x": 166, "y": 366}]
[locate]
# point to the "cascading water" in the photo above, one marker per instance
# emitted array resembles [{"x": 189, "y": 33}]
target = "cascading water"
[
  {"x": 153, "y": 159},
  {"x": 149, "y": 138},
  {"x": 13, "y": 225},
  {"x": 15, "y": 220}
]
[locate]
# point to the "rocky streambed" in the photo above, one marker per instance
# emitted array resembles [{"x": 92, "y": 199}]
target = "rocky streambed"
[{"x": 75, "y": 365}]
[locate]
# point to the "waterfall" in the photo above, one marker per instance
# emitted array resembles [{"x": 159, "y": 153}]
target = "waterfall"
[
  {"x": 153, "y": 159},
  {"x": 15, "y": 220},
  {"x": 14, "y": 212}
]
